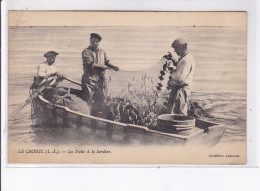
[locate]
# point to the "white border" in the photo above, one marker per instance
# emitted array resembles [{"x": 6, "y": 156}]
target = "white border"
[{"x": 165, "y": 178}]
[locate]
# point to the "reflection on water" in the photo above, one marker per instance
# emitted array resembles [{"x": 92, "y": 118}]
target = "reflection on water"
[{"x": 219, "y": 81}]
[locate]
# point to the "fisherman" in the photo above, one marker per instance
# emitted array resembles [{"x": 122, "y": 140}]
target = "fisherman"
[
  {"x": 95, "y": 62},
  {"x": 180, "y": 81},
  {"x": 47, "y": 71}
]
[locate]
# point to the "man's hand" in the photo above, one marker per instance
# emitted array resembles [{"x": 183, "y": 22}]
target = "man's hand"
[
  {"x": 168, "y": 56},
  {"x": 170, "y": 83},
  {"x": 111, "y": 66},
  {"x": 51, "y": 78},
  {"x": 106, "y": 67},
  {"x": 60, "y": 76},
  {"x": 53, "y": 81},
  {"x": 49, "y": 81},
  {"x": 115, "y": 68}
]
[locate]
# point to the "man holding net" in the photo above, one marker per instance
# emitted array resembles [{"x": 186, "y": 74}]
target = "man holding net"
[
  {"x": 180, "y": 81},
  {"x": 95, "y": 63}
]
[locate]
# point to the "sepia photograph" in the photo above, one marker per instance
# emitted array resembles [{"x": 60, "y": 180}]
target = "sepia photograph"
[{"x": 111, "y": 87}]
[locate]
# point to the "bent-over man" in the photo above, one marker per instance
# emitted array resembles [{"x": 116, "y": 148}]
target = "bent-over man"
[{"x": 180, "y": 81}]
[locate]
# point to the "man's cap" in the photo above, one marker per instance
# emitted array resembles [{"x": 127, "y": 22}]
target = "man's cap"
[
  {"x": 95, "y": 35},
  {"x": 179, "y": 42},
  {"x": 50, "y": 53}
]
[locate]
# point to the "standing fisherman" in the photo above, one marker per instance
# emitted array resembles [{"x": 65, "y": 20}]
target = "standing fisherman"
[
  {"x": 180, "y": 81},
  {"x": 95, "y": 63}
]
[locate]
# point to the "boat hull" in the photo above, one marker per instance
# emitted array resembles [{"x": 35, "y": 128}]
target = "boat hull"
[{"x": 50, "y": 114}]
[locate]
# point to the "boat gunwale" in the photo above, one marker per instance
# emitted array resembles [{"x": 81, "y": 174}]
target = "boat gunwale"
[{"x": 214, "y": 125}]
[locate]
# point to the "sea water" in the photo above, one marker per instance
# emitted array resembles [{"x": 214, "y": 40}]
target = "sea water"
[{"x": 219, "y": 79}]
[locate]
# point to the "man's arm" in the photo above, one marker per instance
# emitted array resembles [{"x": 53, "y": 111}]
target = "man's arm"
[
  {"x": 107, "y": 63},
  {"x": 182, "y": 72},
  {"x": 104, "y": 67},
  {"x": 41, "y": 71},
  {"x": 112, "y": 66},
  {"x": 89, "y": 61},
  {"x": 170, "y": 58}
]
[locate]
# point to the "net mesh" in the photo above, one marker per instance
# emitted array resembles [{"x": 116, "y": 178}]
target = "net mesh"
[
  {"x": 139, "y": 96},
  {"x": 144, "y": 94}
]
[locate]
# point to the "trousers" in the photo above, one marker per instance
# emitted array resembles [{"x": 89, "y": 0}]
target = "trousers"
[
  {"x": 93, "y": 88},
  {"x": 178, "y": 100}
]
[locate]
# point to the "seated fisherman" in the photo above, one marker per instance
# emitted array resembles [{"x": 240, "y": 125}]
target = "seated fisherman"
[{"x": 47, "y": 71}]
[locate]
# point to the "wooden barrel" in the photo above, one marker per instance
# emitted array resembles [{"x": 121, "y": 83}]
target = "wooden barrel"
[{"x": 173, "y": 123}]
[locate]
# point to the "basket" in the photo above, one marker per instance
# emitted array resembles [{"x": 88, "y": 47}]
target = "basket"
[{"x": 172, "y": 123}]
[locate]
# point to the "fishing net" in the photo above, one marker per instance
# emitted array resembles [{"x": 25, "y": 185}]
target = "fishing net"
[
  {"x": 139, "y": 97},
  {"x": 139, "y": 82},
  {"x": 131, "y": 97}
]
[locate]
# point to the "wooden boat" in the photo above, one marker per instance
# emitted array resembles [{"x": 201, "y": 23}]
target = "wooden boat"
[{"x": 204, "y": 132}]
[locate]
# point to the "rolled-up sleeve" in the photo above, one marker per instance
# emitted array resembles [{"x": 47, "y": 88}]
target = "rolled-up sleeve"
[
  {"x": 185, "y": 71},
  {"x": 41, "y": 71},
  {"x": 87, "y": 59},
  {"x": 182, "y": 72},
  {"x": 106, "y": 59}
]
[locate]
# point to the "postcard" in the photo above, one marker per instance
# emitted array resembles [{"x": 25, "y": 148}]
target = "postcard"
[{"x": 127, "y": 88}]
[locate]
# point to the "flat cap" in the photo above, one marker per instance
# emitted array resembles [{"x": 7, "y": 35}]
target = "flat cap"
[
  {"x": 179, "y": 42},
  {"x": 95, "y": 35},
  {"x": 50, "y": 53}
]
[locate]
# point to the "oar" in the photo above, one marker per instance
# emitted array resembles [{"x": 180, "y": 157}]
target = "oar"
[
  {"x": 35, "y": 95},
  {"x": 19, "y": 109},
  {"x": 72, "y": 81},
  {"x": 25, "y": 103}
]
